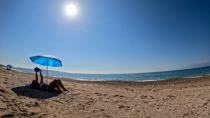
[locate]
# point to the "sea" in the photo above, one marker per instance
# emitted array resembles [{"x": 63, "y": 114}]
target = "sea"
[{"x": 150, "y": 76}]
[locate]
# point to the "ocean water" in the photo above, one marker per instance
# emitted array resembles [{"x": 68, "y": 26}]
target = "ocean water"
[{"x": 151, "y": 76}]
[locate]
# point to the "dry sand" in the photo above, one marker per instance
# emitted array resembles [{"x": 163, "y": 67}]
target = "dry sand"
[{"x": 178, "y": 98}]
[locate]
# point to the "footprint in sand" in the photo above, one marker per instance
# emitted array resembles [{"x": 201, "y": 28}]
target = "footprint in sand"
[
  {"x": 90, "y": 102},
  {"x": 124, "y": 107},
  {"x": 96, "y": 110},
  {"x": 120, "y": 96},
  {"x": 156, "y": 90},
  {"x": 205, "y": 103},
  {"x": 146, "y": 97},
  {"x": 81, "y": 106},
  {"x": 2, "y": 91},
  {"x": 5, "y": 82},
  {"x": 143, "y": 96},
  {"x": 8, "y": 115},
  {"x": 129, "y": 89},
  {"x": 3, "y": 106},
  {"x": 171, "y": 97},
  {"x": 100, "y": 94}
]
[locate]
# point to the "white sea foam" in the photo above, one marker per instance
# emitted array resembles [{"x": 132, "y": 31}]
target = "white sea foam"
[
  {"x": 194, "y": 77},
  {"x": 148, "y": 80}
]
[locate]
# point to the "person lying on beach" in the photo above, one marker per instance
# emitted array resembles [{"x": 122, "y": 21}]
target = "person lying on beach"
[{"x": 56, "y": 85}]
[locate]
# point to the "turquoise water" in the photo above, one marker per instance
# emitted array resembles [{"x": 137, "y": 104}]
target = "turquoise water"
[{"x": 132, "y": 76}]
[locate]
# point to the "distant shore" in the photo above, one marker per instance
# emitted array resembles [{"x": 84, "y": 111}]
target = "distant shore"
[{"x": 181, "y": 97}]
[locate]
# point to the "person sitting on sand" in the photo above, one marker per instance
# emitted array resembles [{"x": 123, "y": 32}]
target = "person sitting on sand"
[{"x": 56, "y": 85}]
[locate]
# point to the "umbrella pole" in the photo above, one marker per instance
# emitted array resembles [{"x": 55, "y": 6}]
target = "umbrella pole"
[{"x": 47, "y": 75}]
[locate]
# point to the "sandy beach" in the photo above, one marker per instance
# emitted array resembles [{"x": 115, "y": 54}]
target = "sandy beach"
[{"x": 178, "y": 98}]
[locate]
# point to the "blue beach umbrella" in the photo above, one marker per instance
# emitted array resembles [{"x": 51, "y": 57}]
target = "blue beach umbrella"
[{"x": 46, "y": 60}]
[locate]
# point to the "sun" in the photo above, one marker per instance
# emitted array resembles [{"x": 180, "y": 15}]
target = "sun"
[{"x": 71, "y": 9}]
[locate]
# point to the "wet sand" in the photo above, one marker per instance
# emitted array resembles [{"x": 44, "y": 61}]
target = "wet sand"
[{"x": 177, "y": 98}]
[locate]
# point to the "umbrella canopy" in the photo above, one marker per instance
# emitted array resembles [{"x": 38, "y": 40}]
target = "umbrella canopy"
[{"x": 46, "y": 60}]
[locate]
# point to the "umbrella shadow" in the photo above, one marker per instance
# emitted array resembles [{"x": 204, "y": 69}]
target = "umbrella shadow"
[{"x": 33, "y": 93}]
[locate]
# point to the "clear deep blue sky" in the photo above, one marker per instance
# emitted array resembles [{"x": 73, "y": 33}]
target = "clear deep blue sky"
[{"x": 107, "y": 36}]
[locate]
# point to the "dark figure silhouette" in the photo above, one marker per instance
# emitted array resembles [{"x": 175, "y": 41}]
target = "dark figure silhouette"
[{"x": 56, "y": 85}]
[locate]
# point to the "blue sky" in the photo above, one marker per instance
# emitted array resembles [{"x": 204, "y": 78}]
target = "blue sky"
[{"x": 107, "y": 36}]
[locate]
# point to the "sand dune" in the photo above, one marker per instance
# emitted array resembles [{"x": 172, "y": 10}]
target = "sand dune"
[{"x": 179, "y": 98}]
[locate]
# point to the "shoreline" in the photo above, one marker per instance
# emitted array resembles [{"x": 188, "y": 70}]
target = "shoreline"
[
  {"x": 183, "y": 80},
  {"x": 149, "y": 76},
  {"x": 103, "y": 80}
]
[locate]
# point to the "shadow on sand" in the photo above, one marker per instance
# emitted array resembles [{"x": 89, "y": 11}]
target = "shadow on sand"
[{"x": 33, "y": 93}]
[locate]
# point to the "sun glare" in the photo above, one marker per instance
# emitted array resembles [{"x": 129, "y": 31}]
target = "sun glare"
[{"x": 71, "y": 9}]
